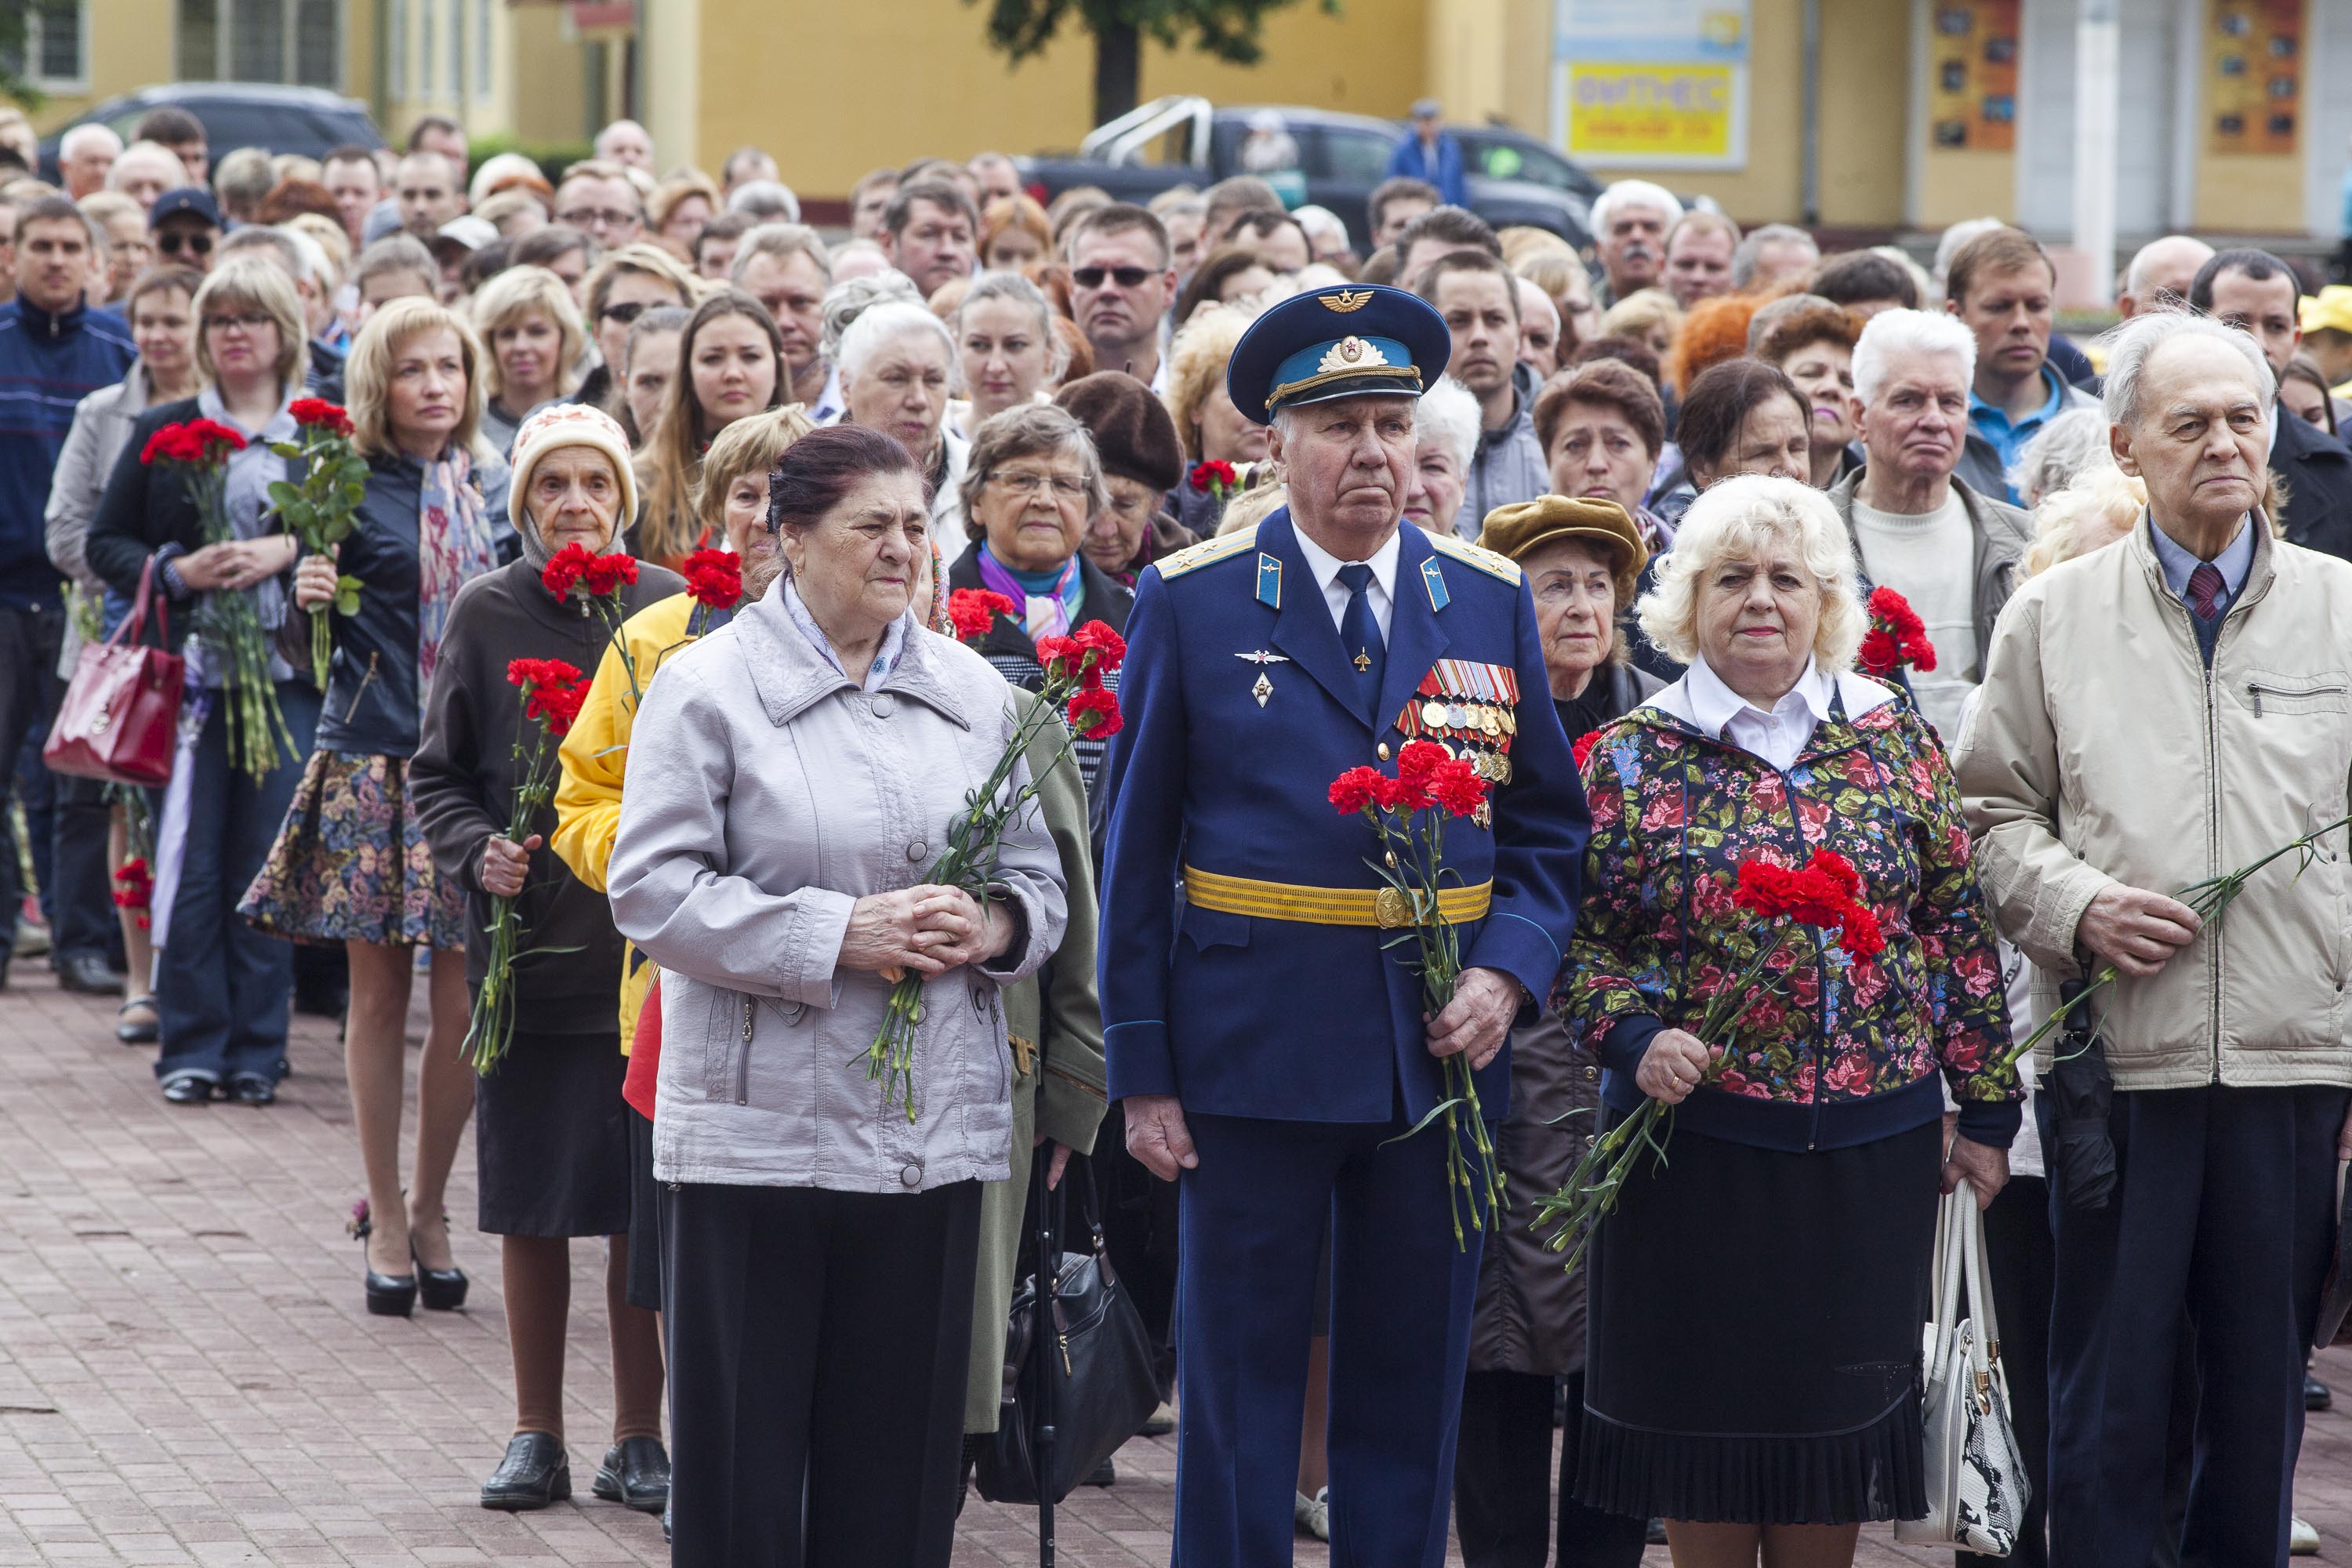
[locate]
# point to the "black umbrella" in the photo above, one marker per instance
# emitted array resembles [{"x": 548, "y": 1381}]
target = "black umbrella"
[{"x": 2081, "y": 1155}]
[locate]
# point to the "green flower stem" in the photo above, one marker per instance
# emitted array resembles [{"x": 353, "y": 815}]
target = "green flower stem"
[{"x": 491, "y": 1030}]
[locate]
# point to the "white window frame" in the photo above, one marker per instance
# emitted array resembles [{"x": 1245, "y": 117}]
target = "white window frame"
[
  {"x": 58, "y": 84},
  {"x": 485, "y": 33},
  {"x": 225, "y": 27}
]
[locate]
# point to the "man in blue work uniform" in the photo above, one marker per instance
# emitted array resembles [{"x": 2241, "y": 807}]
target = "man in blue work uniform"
[
  {"x": 1428, "y": 151},
  {"x": 1265, "y": 1029}
]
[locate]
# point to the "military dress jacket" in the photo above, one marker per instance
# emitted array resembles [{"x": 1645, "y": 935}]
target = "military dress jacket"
[{"x": 1241, "y": 710}]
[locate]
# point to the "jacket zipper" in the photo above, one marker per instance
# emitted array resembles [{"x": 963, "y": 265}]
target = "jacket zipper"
[
  {"x": 743, "y": 1056},
  {"x": 2256, "y": 691},
  {"x": 362, "y": 686}
]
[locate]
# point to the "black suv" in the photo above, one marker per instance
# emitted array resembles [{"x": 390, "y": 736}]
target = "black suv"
[{"x": 309, "y": 120}]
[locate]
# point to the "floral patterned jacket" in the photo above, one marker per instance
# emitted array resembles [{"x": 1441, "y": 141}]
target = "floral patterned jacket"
[{"x": 1836, "y": 1054}]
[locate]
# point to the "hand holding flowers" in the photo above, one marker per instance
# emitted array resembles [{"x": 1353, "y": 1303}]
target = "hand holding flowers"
[{"x": 320, "y": 512}]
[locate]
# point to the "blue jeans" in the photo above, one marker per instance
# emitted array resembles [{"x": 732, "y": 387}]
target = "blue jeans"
[{"x": 223, "y": 990}]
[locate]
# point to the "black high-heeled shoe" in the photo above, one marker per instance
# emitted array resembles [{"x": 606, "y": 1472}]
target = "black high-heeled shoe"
[
  {"x": 444, "y": 1290},
  {"x": 388, "y": 1295}
]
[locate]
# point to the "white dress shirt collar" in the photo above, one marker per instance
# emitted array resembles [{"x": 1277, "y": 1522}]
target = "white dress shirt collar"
[
  {"x": 1702, "y": 700},
  {"x": 1326, "y": 568}
]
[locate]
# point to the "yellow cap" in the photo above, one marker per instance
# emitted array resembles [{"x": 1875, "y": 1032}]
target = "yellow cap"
[{"x": 2330, "y": 309}]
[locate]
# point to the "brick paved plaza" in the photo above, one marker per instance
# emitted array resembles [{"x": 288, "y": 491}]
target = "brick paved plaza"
[{"x": 187, "y": 1374}]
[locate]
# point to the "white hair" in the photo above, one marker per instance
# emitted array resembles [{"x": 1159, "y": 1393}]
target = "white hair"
[
  {"x": 770, "y": 201},
  {"x": 1749, "y": 254},
  {"x": 1634, "y": 194},
  {"x": 2136, "y": 275},
  {"x": 1285, "y": 418},
  {"x": 1320, "y": 222},
  {"x": 1734, "y": 520},
  {"x": 2060, "y": 452},
  {"x": 496, "y": 167},
  {"x": 1893, "y": 333},
  {"x": 151, "y": 151},
  {"x": 1958, "y": 234},
  {"x": 2133, "y": 343},
  {"x": 1449, "y": 415},
  {"x": 86, "y": 136},
  {"x": 886, "y": 322}
]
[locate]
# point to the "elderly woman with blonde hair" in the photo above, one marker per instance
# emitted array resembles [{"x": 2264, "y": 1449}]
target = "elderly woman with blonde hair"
[
  {"x": 1808, "y": 1147},
  {"x": 1208, "y": 425}
]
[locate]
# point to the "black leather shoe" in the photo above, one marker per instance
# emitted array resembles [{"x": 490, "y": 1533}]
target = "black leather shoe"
[
  {"x": 187, "y": 1088},
  {"x": 444, "y": 1288},
  {"x": 534, "y": 1474},
  {"x": 388, "y": 1295},
  {"x": 88, "y": 974},
  {"x": 665, "y": 1520},
  {"x": 636, "y": 1473},
  {"x": 251, "y": 1089},
  {"x": 1103, "y": 1475},
  {"x": 2316, "y": 1395},
  {"x": 136, "y": 1031}
]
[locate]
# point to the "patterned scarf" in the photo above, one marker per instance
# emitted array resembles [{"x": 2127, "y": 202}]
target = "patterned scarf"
[
  {"x": 453, "y": 547},
  {"x": 1046, "y": 615}
]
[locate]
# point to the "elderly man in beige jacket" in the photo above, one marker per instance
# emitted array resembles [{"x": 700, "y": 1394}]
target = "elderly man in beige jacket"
[{"x": 2159, "y": 712}]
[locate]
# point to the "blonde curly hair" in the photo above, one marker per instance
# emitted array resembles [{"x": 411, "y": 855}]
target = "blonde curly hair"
[
  {"x": 1735, "y": 519},
  {"x": 1196, "y": 367}
]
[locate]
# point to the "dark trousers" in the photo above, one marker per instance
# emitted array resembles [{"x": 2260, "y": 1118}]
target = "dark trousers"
[
  {"x": 2225, "y": 1205},
  {"x": 1251, "y": 1217},
  {"x": 223, "y": 990},
  {"x": 2022, "y": 1261},
  {"x": 817, "y": 1348},
  {"x": 1502, "y": 1478},
  {"x": 77, "y": 897}
]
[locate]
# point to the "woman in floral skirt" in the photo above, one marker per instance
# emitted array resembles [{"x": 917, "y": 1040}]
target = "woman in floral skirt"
[{"x": 351, "y": 864}]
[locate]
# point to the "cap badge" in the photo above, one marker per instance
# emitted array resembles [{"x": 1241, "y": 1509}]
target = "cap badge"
[
  {"x": 1347, "y": 299},
  {"x": 1350, "y": 353}
]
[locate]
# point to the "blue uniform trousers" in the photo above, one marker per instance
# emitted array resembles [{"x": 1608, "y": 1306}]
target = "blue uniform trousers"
[
  {"x": 1401, "y": 1294},
  {"x": 2225, "y": 1206}
]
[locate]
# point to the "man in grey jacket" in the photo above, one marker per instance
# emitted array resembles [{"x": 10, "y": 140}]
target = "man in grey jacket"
[
  {"x": 1478, "y": 297},
  {"x": 1948, "y": 548},
  {"x": 2156, "y": 713}
]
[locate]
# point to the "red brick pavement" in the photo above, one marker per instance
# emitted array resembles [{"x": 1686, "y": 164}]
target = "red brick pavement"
[{"x": 187, "y": 1374}]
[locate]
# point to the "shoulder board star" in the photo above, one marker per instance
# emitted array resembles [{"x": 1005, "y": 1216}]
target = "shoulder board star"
[
  {"x": 1477, "y": 556},
  {"x": 1208, "y": 552}
]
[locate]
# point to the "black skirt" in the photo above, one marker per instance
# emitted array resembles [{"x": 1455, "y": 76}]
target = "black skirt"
[
  {"x": 1755, "y": 1337},
  {"x": 552, "y": 1138}
]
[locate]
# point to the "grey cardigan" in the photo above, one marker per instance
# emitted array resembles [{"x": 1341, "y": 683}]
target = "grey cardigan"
[
  {"x": 783, "y": 796},
  {"x": 101, "y": 428}
]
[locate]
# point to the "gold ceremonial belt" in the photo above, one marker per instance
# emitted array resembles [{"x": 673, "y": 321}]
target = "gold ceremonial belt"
[{"x": 1382, "y": 907}]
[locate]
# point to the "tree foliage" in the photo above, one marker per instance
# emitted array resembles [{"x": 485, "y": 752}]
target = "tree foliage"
[
  {"x": 14, "y": 82},
  {"x": 1225, "y": 29}
]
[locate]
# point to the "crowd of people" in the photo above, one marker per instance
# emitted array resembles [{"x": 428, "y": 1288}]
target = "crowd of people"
[{"x": 1650, "y": 492}]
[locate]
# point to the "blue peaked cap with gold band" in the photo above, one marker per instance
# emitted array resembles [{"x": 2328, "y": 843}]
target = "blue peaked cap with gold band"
[{"x": 1337, "y": 343}]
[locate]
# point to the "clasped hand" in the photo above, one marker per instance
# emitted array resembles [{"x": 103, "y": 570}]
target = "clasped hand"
[
  {"x": 925, "y": 930},
  {"x": 240, "y": 564},
  {"x": 314, "y": 582}
]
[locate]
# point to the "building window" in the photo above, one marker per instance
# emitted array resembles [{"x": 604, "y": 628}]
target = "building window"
[
  {"x": 298, "y": 42},
  {"x": 56, "y": 52},
  {"x": 482, "y": 49},
  {"x": 456, "y": 48}
]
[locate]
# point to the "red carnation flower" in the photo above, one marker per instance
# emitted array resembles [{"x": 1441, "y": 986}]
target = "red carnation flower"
[
  {"x": 1879, "y": 654},
  {"x": 1582, "y": 746},
  {"x": 1357, "y": 790},
  {"x": 1896, "y": 638},
  {"x": 606, "y": 575},
  {"x": 531, "y": 672},
  {"x": 1419, "y": 759},
  {"x": 569, "y": 565},
  {"x": 1107, "y": 646},
  {"x": 557, "y": 704},
  {"x": 972, "y": 611},
  {"x": 714, "y": 578},
  {"x": 1456, "y": 786},
  {"x": 1215, "y": 473},
  {"x": 1095, "y": 714},
  {"x": 318, "y": 414},
  {"x": 1838, "y": 869},
  {"x": 1859, "y": 934}
]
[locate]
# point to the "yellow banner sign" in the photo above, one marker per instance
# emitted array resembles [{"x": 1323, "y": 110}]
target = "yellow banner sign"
[{"x": 1631, "y": 111}]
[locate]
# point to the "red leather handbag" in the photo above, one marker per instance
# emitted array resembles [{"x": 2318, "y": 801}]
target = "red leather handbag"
[{"x": 121, "y": 710}]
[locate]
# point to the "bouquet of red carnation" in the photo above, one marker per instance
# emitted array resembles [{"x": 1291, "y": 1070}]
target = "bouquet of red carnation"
[
  {"x": 1824, "y": 894},
  {"x": 1582, "y": 746},
  {"x": 599, "y": 579},
  {"x": 322, "y": 511},
  {"x": 972, "y": 611},
  {"x": 1073, "y": 693},
  {"x": 1409, "y": 814},
  {"x": 230, "y": 630},
  {"x": 1898, "y": 638},
  {"x": 1214, "y": 478},
  {"x": 714, "y": 579},
  {"x": 135, "y": 888},
  {"x": 551, "y": 695}
]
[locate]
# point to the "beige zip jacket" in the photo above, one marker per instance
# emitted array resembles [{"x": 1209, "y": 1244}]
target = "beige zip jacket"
[{"x": 2101, "y": 750}]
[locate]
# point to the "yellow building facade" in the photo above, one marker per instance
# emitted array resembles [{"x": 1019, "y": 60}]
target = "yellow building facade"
[{"x": 1853, "y": 114}]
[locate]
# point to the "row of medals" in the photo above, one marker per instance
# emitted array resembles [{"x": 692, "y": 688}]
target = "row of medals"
[{"x": 1479, "y": 732}]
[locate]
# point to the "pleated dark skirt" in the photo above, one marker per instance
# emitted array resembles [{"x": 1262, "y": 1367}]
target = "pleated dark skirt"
[
  {"x": 1753, "y": 1353},
  {"x": 644, "y": 1215},
  {"x": 552, "y": 1138}
]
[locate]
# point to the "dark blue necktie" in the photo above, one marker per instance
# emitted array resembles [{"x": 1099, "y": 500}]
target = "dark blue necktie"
[{"x": 1360, "y": 634}]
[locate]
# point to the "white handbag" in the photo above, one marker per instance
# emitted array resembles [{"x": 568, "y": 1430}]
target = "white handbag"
[{"x": 1977, "y": 1488}]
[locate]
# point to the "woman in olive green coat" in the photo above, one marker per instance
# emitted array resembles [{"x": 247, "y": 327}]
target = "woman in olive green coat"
[{"x": 1055, "y": 1026}]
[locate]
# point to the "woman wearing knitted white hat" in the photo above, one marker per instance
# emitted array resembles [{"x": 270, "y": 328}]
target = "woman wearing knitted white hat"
[{"x": 550, "y": 1136}]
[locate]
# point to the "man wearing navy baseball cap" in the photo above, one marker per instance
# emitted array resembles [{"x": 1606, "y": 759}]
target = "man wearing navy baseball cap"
[
  {"x": 1266, "y": 1030},
  {"x": 187, "y": 226}
]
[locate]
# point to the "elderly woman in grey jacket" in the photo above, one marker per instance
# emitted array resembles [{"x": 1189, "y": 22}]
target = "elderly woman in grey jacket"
[{"x": 818, "y": 1244}]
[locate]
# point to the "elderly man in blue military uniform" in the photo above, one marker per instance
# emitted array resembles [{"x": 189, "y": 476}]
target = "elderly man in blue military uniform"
[{"x": 1263, "y": 1027}]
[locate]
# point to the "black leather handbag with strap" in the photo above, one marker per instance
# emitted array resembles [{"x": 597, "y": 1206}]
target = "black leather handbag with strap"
[{"x": 1078, "y": 1379}]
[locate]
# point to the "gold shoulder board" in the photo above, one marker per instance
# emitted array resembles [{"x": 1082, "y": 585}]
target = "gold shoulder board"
[
  {"x": 1208, "y": 552},
  {"x": 1477, "y": 556}
]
